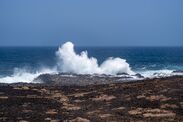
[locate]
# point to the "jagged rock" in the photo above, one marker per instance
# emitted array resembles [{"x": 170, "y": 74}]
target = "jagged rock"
[
  {"x": 178, "y": 71},
  {"x": 80, "y": 80},
  {"x": 104, "y": 98},
  {"x": 128, "y": 101},
  {"x": 139, "y": 75},
  {"x": 122, "y": 73},
  {"x": 79, "y": 119}
]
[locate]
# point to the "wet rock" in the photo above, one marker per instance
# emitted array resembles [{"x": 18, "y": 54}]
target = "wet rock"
[
  {"x": 44, "y": 78},
  {"x": 138, "y": 75},
  {"x": 178, "y": 71},
  {"x": 79, "y": 80},
  {"x": 122, "y": 73},
  {"x": 156, "y": 73}
]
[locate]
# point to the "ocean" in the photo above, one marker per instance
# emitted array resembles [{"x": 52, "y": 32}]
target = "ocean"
[{"x": 23, "y": 64}]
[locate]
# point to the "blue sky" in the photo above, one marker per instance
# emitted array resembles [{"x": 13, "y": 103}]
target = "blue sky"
[{"x": 91, "y": 22}]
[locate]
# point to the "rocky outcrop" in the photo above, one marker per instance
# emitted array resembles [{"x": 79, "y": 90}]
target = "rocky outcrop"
[
  {"x": 178, "y": 71},
  {"x": 156, "y": 100},
  {"x": 66, "y": 79}
]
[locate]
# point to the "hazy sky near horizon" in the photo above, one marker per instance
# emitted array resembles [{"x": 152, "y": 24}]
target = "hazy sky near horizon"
[{"x": 91, "y": 22}]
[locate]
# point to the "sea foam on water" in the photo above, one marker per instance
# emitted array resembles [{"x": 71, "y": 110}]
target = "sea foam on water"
[{"x": 70, "y": 62}]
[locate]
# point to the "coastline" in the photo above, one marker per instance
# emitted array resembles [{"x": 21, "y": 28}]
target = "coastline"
[{"x": 158, "y": 99}]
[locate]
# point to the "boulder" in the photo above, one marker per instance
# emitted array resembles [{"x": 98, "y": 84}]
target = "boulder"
[
  {"x": 123, "y": 73},
  {"x": 178, "y": 71},
  {"x": 139, "y": 75}
]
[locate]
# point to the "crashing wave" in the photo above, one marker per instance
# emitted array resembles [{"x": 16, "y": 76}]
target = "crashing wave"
[{"x": 69, "y": 61}]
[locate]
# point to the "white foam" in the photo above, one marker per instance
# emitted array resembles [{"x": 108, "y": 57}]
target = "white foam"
[
  {"x": 22, "y": 75},
  {"x": 69, "y": 61},
  {"x": 156, "y": 73}
]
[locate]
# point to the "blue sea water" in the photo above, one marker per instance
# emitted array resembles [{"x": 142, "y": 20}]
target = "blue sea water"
[{"x": 140, "y": 59}]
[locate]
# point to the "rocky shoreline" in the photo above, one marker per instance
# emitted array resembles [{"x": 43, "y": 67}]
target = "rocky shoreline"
[
  {"x": 68, "y": 79},
  {"x": 159, "y": 99}
]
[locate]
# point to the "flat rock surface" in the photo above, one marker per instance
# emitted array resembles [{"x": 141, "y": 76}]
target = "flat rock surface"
[{"x": 148, "y": 100}]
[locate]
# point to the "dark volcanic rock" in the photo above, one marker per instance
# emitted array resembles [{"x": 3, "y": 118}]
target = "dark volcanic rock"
[
  {"x": 44, "y": 78},
  {"x": 178, "y": 71},
  {"x": 139, "y": 75},
  {"x": 122, "y": 73},
  {"x": 78, "y": 79},
  {"x": 154, "y": 100}
]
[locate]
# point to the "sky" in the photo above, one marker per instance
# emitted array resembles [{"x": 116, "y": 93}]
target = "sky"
[{"x": 91, "y": 22}]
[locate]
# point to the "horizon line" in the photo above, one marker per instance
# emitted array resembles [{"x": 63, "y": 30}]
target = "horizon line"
[{"x": 117, "y": 46}]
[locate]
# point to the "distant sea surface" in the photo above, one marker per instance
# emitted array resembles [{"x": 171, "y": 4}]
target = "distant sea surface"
[{"x": 140, "y": 59}]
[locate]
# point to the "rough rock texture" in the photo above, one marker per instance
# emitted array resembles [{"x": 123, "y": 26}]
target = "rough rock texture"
[
  {"x": 148, "y": 100},
  {"x": 67, "y": 79}
]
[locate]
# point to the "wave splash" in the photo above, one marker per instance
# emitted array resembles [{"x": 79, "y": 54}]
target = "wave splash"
[
  {"x": 71, "y": 62},
  {"x": 24, "y": 75}
]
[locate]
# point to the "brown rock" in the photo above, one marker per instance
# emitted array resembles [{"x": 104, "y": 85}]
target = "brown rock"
[
  {"x": 79, "y": 119},
  {"x": 159, "y": 115},
  {"x": 51, "y": 112},
  {"x": 104, "y": 98},
  {"x": 134, "y": 112},
  {"x": 104, "y": 115},
  {"x": 173, "y": 106},
  {"x": 3, "y": 97},
  {"x": 71, "y": 107}
]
